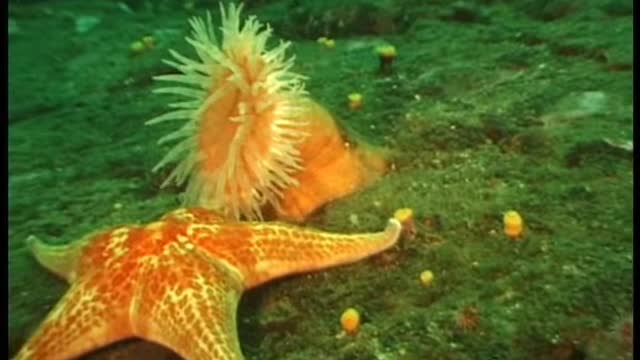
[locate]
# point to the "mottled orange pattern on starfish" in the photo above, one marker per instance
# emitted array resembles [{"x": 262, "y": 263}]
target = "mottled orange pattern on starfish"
[{"x": 178, "y": 281}]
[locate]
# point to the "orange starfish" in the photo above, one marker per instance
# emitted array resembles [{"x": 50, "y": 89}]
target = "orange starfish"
[{"x": 178, "y": 281}]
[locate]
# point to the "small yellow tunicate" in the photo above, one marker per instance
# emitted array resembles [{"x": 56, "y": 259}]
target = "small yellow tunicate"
[
  {"x": 149, "y": 42},
  {"x": 350, "y": 321},
  {"x": 513, "y": 224},
  {"x": 330, "y": 43},
  {"x": 426, "y": 278},
  {"x": 403, "y": 215},
  {"x": 137, "y": 47},
  {"x": 386, "y": 54},
  {"x": 355, "y": 100},
  {"x": 386, "y": 51},
  {"x": 189, "y": 5},
  {"x": 322, "y": 40}
]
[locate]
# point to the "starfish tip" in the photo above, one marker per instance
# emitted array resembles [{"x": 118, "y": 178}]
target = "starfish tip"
[
  {"x": 394, "y": 228},
  {"x": 30, "y": 241}
]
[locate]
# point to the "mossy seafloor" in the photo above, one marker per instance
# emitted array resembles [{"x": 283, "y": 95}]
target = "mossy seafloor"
[{"x": 491, "y": 106}]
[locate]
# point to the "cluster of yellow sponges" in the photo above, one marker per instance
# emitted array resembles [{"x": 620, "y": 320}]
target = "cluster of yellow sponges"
[
  {"x": 386, "y": 53},
  {"x": 144, "y": 44},
  {"x": 327, "y": 42},
  {"x": 469, "y": 317}
]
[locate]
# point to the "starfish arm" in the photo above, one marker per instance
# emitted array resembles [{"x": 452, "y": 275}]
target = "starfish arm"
[
  {"x": 189, "y": 305},
  {"x": 59, "y": 259},
  {"x": 83, "y": 320},
  {"x": 280, "y": 250}
]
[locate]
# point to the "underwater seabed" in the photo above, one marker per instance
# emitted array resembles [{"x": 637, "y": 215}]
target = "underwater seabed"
[{"x": 488, "y": 107}]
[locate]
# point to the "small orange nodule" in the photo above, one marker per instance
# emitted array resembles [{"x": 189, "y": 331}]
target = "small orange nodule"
[
  {"x": 426, "y": 278},
  {"x": 350, "y": 321},
  {"x": 468, "y": 318},
  {"x": 140, "y": 46},
  {"x": 355, "y": 100},
  {"x": 406, "y": 218},
  {"x": 330, "y": 43},
  {"x": 137, "y": 47},
  {"x": 327, "y": 42},
  {"x": 513, "y": 224},
  {"x": 148, "y": 41},
  {"x": 386, "y": 51},
  {"x": 403, "y": 215}
]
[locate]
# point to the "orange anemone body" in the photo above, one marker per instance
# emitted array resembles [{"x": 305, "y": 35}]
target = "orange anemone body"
[
  {"x": 253, "y": 139},
  {"x": 333, "y": 168}
]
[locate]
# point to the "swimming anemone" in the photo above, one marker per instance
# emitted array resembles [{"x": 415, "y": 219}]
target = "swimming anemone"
[{"x": 252, "y": 138}]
